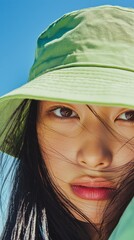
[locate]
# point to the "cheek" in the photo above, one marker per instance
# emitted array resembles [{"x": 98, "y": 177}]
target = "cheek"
[
  {"x": 124, "y": 155},
  {"x": 58, "y": 153},
  {"x": 59, "y": 147}
]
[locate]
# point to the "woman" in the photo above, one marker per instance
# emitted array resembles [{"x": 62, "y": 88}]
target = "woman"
[{"x": 71, "y": 129}]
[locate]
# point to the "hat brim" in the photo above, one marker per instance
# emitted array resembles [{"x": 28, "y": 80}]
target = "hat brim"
[{"x": 92, "y": 85}]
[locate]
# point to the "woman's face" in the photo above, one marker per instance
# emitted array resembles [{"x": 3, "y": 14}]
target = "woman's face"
[{"x": 83, "y": 155}]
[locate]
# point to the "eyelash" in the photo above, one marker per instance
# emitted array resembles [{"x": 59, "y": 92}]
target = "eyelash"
[
  {"x": 69, "y": 109},
  {"x": 131, "y": 112},
  {"x": 65, "y": 108}
]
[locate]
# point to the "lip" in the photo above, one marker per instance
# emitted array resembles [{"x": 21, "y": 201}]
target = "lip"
[{"x": 95, "y": 189}]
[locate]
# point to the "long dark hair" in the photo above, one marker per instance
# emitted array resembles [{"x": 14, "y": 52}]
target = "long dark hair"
[{"x": 36, "y": 205}]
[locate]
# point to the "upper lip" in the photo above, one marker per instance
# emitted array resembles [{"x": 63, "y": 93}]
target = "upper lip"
[{"x": 93, "y": 182}]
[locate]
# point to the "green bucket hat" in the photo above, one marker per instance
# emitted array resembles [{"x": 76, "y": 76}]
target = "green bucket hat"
[{"x": 86, "y": 56}]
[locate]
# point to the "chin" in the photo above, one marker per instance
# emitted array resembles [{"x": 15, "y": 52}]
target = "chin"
[{"x": 93, "y": 216}]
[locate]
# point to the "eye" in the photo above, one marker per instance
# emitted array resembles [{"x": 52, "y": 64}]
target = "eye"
[
  {"x": 127, "y": 116},
  {"x": 64, "y": 112}
]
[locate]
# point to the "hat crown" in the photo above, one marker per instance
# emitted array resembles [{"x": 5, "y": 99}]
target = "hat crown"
[{"x": 100, "y": 36}]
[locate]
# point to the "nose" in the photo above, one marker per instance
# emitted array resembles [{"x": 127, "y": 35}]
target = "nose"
[{"x": 94, "y": 155}]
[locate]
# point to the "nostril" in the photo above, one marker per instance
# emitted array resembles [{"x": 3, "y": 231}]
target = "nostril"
[{"x": 83, "y": 162}]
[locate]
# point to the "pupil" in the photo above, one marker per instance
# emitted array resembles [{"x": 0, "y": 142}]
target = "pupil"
[
  {"x": 66, "y": 112},
  {"x": 130, "y": 115}
]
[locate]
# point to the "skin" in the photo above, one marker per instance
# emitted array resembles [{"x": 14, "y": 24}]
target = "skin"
[{"x": 79, "y": 146}]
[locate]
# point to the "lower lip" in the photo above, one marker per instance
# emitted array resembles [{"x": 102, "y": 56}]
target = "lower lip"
[{"x": 92, "y": 193}]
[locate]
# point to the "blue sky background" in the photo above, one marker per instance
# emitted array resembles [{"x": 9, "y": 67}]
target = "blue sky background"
[{"x": 20, "y": 24}]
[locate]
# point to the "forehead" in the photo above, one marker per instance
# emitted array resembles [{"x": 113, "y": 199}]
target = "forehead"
[{"x": 99, "y": 108}]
